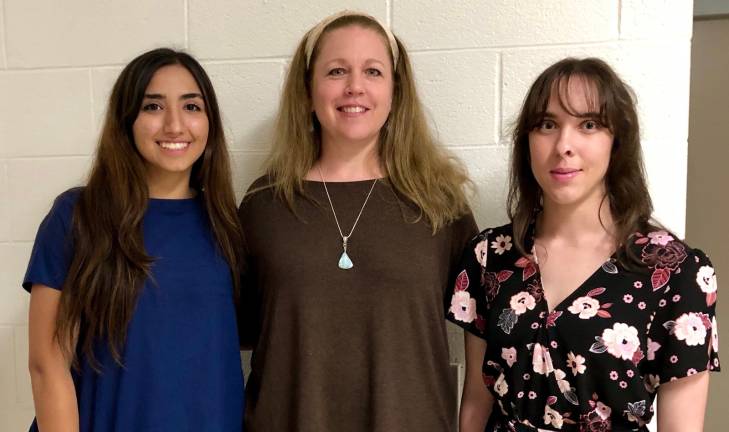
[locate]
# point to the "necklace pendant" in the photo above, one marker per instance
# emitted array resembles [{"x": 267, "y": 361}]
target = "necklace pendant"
[{"x": 344, "y": 262}]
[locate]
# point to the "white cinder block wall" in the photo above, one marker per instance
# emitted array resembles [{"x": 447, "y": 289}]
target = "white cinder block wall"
[{"x": 473, "y": 60}]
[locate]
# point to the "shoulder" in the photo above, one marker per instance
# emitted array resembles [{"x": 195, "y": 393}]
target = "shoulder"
[
  {"x": 463, "y": 227},
  {"x": 67, "y": 200},
  {"x": 262, "y": 182},
  {"x": 63, "y": 207},
  {"x": 500, "y": 235},
  {"x": 669, "y": 259},
  {"x": 492, "y": 244},
  {"x": 261, "y": 186}
]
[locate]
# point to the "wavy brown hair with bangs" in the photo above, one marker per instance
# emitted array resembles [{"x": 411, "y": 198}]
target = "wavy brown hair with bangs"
[
  {"x": 110, "y": 264},
  {"x": 626, "y": 188},
  {"x": 416, "y": 166}
]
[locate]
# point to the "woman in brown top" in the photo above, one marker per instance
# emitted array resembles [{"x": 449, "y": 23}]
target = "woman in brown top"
[{"x": 350, "y": 240}]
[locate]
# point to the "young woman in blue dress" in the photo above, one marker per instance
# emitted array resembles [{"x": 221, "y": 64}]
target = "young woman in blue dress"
[
  {"x": 132, "y": 316},
  {"x": 582, "y": 309}
]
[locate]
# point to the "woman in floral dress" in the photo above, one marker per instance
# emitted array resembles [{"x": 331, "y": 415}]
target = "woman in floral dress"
[{"x": 582, "y": 309}]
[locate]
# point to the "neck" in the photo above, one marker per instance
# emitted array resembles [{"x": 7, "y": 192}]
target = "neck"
[
  {"x": 342, "y": 162},
  {"x": 169, "y": 186},
  {"x": 576, "y": 224}
]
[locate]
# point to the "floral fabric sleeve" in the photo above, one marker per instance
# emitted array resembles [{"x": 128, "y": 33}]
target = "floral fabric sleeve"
[
  {"x": 683, "y": 338},
  {"x": 468, "y": 293}
]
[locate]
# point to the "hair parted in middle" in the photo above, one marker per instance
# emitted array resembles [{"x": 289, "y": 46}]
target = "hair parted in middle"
[
  {"x": 110, "y": 263},
  {"x": 415, "y": 165},
  {"x": 625, "y": 183}
]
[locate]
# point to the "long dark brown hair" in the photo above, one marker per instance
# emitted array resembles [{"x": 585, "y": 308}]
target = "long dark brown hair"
[
  {"x": 416, "y": 165},
  {"x": 626, "y": 189},
  {"x": 110, "y": 264}
]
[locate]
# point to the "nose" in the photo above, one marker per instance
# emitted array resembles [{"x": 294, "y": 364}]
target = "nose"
[
  {"x": 173, "y": 121},
  {"x": 564, "y": 142},
  {"x": 354, "y": 85}
]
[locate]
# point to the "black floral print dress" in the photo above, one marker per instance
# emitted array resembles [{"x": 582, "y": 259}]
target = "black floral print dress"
[{"x": 595, "y": 362}]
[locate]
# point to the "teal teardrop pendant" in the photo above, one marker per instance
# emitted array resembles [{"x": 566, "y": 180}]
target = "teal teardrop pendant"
[{"x": 344, "y": 262}]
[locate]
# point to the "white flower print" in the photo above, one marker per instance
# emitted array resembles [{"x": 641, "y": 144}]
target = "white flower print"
[
  {"x": 576, "y": 362},
  {"x": 552, "y": 417},
  {"x": 501, "y": 244},
  {"x": 522, "y": 301},
  {"x": 706, "y": 278},
  {"x": 481, "y": 251},
  {"x": 586, "y": 307},
  {"x": 621, "y": 341},
  {"x": 690, "y": 327},
  {"x": 463, "y": 306},
  {"x": 500, "y": 386},
  {"x": 660, "y": 238},
  {"x": 562, "y": 383},
  {"x": 714, "y": 335},
  {"x": 653, "y": 346},
  {"x": 542, "y": 360},
  {"x": 509, "y": 354}
]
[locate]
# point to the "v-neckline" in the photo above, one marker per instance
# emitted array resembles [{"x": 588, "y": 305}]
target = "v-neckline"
[
  {"x": 531, "y": 235},
  {"x": 579, "y": 288}
]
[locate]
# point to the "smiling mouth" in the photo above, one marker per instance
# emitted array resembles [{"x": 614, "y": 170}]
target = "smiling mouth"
[
  {"x": 352, "y": 109},
  {"x": 169, "y": 145}
]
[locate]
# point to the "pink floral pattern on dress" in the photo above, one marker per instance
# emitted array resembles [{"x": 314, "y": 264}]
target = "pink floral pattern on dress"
[
  {"x": 628, "y": 330},
  {"x": 621, "y": 341},
  {"x": 463, "y": 307}
]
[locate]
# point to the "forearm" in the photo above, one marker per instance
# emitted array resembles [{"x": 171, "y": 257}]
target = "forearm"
[
  {"x": 474, "y": 416},
  {"x": 54, "y": 396}
]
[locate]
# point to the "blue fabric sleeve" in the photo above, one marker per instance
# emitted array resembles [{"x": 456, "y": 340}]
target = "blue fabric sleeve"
[{"x": 53, "y": 248}]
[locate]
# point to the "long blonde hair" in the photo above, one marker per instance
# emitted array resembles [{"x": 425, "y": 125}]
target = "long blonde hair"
[{"x": 414, "y": 163}]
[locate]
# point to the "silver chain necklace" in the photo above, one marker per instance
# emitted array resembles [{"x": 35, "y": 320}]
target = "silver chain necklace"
[{"x": 345, "y": 263}]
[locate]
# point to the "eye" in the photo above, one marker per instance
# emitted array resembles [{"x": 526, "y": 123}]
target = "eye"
[
  {"x": 373, "y": 72},
  {"x": 192, "y": 107},
  {"x": 546, "y": 125},
  {"x": 591, "y": 125},
  {"x": 151, "y": 107},
  {"x": 336, "y": 71}
]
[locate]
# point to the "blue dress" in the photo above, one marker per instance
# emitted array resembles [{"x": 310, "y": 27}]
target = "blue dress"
[{"x": 182, "y": 369}]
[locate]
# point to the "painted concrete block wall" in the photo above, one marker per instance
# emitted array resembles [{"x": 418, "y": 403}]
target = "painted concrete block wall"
[{"x": 474, "y": 60}]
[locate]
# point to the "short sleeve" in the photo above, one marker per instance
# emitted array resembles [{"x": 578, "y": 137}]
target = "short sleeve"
[
  {"x": 683, "y": 338},
  {"x": 466, "y": 298},
  {"x": 53, "y": 248},
  {"x": 463, "y": 230}
]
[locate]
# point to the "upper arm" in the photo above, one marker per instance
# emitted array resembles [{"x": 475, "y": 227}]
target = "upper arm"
[
  {"x": 682, "y": 403},
  {"x": 475, "y": 352},
  {"x": 43, "y": 344}
]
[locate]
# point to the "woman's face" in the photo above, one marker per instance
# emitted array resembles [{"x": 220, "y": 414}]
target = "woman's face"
[
  {"x": 570, "y": 154},
  {"x": 352, "y": 85},
  {"x": 171, "y": 130}
]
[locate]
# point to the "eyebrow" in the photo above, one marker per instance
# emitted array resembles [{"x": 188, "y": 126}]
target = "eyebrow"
[
  {"x": 589, "y": 114},
  {"x": 161, "y": 96},
  {"x": 341, "y": 60}
]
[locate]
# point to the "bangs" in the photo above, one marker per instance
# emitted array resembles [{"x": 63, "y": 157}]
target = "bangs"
[{"x": 561, "y": 85}]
